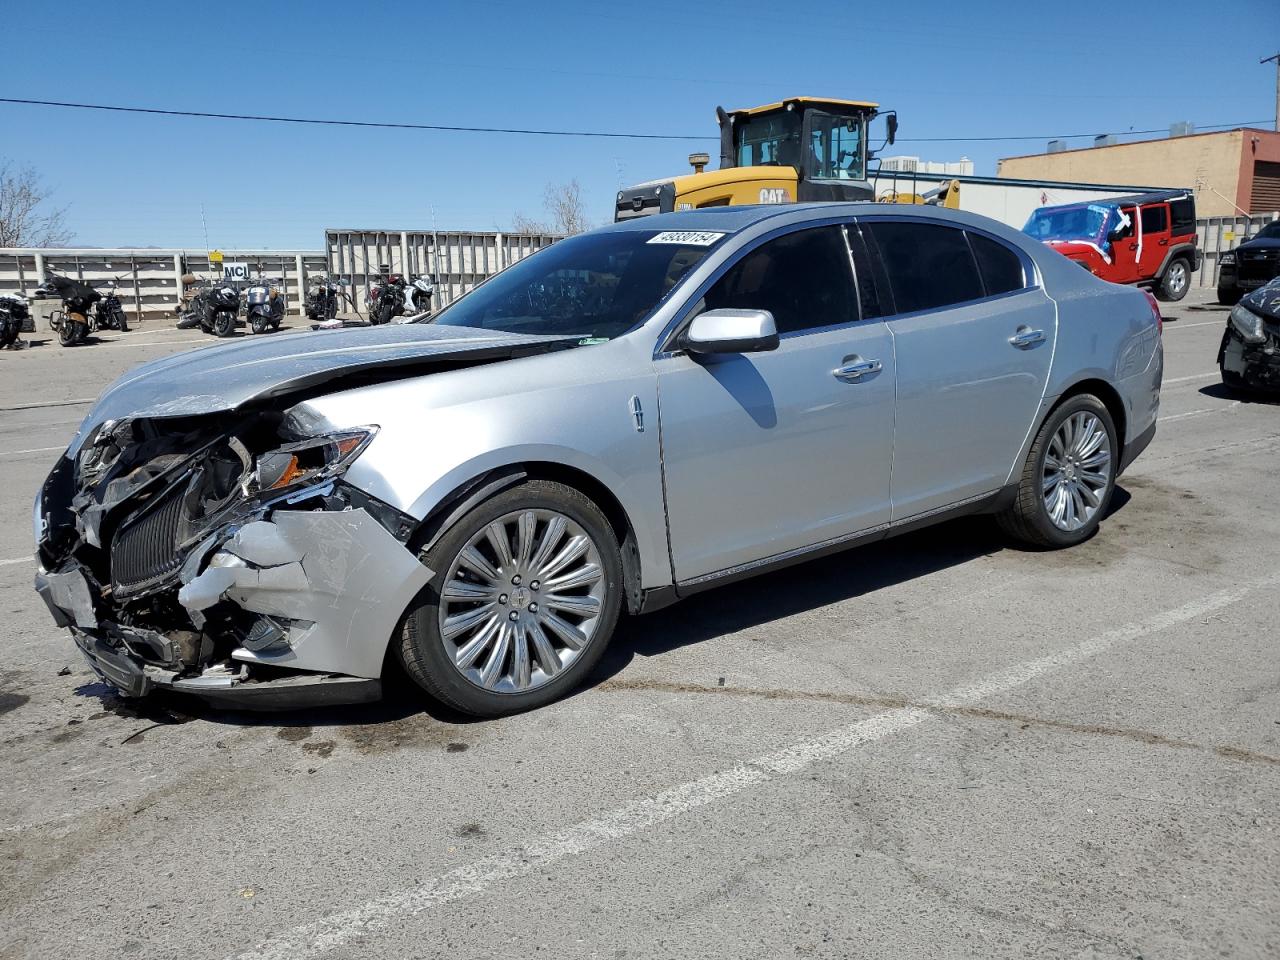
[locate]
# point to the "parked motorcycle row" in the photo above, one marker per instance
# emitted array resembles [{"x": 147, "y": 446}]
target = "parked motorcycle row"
[
  {"x": 85, "y": 309},
  {"x": 218, "y": 308}
]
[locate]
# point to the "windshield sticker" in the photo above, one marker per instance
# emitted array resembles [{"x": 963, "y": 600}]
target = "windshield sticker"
[{"x": 690, "y": 238}]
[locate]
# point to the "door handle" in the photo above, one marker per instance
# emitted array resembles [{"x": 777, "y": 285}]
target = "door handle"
[
  {"x": 1026, "y": 337},
  {"x": 1164, "y": 241},
  {"x": 854, "y": 368}
]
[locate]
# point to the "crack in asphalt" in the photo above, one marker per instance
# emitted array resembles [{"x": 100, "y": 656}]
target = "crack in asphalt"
[{"x": 888, "y": 701}]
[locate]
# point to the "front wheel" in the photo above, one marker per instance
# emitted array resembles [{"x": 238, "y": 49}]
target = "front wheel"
[
  {"x": 1068, "y": 477},
  {"x": 68, "y": 332},
  {"x": 259, "y": 323},
  {"x": 224, "y": 324},
  {"x": 382, "y": 314},
  {"x": 1228, "y": 296},
  {"x": 1176, "y": 281},
  {"x": 526, "y": 596}
]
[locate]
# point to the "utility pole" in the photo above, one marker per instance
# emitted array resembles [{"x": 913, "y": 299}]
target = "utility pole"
[{"x": 1276, "y": 59}]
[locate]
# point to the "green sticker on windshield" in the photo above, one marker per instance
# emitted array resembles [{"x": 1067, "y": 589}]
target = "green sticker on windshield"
[{"x": 587, "y": 341}]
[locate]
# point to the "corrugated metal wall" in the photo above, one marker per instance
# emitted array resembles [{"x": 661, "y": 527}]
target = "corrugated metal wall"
[
  {"x": 459, "y": 260},
  {"x": 149, "y": 279}
]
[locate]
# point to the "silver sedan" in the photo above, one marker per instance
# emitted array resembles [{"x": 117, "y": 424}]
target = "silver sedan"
[{"x": 628, "y": 417}]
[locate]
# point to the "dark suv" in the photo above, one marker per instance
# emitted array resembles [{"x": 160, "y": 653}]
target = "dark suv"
[{"x": 1253, "y": 264}]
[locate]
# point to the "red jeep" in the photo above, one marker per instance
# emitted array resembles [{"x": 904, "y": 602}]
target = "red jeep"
[{"x": 1147, "y": 239}]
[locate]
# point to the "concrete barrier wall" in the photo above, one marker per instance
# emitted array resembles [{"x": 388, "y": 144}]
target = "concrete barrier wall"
[{"x": 150, "y": 279}]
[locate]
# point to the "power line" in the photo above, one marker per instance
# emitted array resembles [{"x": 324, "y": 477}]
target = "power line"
[
  {"x": 558, "y": 133},
  {"x": 355, "y": 123}
]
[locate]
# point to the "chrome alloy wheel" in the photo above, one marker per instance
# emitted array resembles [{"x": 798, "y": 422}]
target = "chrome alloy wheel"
[
  {"x": 522, "y": 600},
  {"x": 1077, "y": 470},
  {"x": 1177, "y": 277}
]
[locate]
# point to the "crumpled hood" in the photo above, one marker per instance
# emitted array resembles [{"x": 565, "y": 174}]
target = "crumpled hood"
[{"x": 225, "y": 376}]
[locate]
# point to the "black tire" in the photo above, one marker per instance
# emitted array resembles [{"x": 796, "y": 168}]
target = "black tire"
[
  {"x": 259, "y": 323},
  {"x": 1175, "y": 282},
  {"x": 67, "y": 332},
  {"x": 1027, "y": 518},
  {"x": 422, "y": 649},
  {"x": 382, "y": 314},
  {"x": 224, "y": 324},
  {"x": 1229, "y": 296}
]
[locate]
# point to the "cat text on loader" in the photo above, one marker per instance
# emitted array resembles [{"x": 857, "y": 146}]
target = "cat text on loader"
[{"x": 805, "y": 148}]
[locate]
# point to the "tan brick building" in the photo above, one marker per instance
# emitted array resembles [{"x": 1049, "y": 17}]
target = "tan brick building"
[{"x": 1231, "y": 171}]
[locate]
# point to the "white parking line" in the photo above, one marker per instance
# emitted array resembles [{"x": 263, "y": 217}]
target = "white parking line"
[
  {"x": 1198, "y": 413},
  {"x": 340, "y": 929},
  {"x": 18, "y": 453},
  {"x": 1177, "y": 325},
  {"x": 1194, "y": 376},
  {"x": 9, "y": 563}
]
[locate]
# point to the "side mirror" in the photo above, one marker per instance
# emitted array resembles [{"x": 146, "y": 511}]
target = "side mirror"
[
  {"x": 892, "y": 123},
  {"x": 731, "y": 331}
]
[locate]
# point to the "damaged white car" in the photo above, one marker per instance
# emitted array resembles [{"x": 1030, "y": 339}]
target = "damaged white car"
[{"x": 627, "y": 417}]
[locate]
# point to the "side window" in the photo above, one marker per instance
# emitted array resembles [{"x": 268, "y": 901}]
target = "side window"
[
  {"x": 929, "y": 266},
  {"x": 1183, "y": 215},
  {"x": 1000, "y": 267},
  {"x": 803, "y": 278},
  {"x": 1155, "y": 219}
]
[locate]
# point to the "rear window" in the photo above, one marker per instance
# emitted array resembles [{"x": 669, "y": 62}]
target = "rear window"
[
  {"x": 1183, "y": 214},
  {"x": 1000, "y": 267},
  {"x": 929, "y": 266}
]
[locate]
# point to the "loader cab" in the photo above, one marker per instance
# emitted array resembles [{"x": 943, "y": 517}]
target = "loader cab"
[{"x": 805, "y": 148}]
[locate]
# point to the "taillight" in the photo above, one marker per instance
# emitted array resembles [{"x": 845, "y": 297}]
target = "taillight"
[{"x": 1155, "y": 311}]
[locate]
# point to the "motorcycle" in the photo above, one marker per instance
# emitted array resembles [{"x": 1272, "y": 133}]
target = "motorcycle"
[
  {"x": 264, "y": 306},
  {"x": 322, "y": 298},
  {"x": 109, "y": 311},
  {"x": 77, "y": 318},
  {"x": 386, "y": 296},
  {"x": 13, "y": 314},
  {"x": 221, "y": 310},
  {"x": 420, "y": 292}
]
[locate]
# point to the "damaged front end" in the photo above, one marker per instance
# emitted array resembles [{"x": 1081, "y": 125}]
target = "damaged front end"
[
  {"x": 224, "y": 555},
  {"x": 1250, "y": 351}
]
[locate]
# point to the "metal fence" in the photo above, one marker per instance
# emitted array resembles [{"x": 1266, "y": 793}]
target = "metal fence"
[
  {"x": 457, "y": 259},
  {"x": 1217, "y": 235},
  {"x": 150, "y": 280}
]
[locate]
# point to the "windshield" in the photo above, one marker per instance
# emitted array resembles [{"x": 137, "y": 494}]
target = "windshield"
[
  {"x": 1091, "y": 222},
  {"x": 772, "y": 139},
  {"x": 595, "y": 286},
  {"x": 835, "y": 148}
]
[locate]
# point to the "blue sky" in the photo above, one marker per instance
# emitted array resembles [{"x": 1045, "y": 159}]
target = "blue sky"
[{"x": 959, "y": 69}]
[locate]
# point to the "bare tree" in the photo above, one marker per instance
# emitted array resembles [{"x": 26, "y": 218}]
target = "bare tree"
[
  {"x": 23, "y": 221},
  {"x": 566, "y": 213}
]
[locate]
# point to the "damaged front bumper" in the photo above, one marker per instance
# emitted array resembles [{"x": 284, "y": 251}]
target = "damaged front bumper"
[
  {"x": 305, "y": 601},
  {"x": 255, "y": 603},
  {"x": 1256, "y": 365}
]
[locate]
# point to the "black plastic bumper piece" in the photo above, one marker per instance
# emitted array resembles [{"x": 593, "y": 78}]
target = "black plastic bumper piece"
[
  {"x": 114, "y": 665},
  {"x": 1133, "y": 449}
]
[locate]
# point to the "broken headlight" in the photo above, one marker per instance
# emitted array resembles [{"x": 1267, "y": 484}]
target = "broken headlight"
[
  {"x": 1248, "y": 324},
  {"x": 310, "y": 461}
]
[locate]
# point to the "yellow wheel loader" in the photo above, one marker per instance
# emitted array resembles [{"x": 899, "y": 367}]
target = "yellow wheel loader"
[{"x": 805, "y": 148}]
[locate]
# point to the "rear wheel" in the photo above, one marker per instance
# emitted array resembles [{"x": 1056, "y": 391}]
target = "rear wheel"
[
  {"x": 1068, "y": 476},
  {"x": 1176, "y": 281},
  {"x": 526, "y": 595}
]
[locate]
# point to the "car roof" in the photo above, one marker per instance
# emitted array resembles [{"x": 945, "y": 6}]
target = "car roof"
[
  {"x": 1132, "y": 199},
  {"x": 736, "y": 219}
]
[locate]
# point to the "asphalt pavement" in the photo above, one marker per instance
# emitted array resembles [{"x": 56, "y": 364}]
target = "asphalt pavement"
[{"x": 940, "y": 746}]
